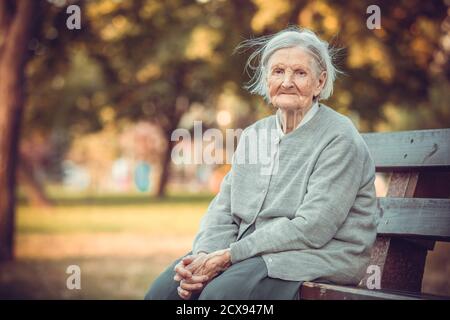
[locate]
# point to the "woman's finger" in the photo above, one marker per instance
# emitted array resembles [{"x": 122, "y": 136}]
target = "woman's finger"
[
  {"x": 183, "y": 272},
  {"x": 188, "y": 259},
  {"x": 197, "y": 279},
  {"x": 177, "y": 277},
  {"x": 190, "y": 286},
  {"x": 193, "y": 279},
  {"x": 184, "y": 294},
  {"x": 176, "y": 266}
]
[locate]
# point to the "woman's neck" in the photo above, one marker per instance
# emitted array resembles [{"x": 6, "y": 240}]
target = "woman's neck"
[{"x": 290, "y": 118}]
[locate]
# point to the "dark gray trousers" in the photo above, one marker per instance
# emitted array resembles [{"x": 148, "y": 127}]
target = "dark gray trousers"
[{"x": 245, "y": 280}]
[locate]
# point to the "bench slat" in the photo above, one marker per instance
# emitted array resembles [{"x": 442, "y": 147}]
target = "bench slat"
[
  {"x": 415, "y": 217},
  {"x": 320, "y": 291},
  {"x": 410, "y": 150}
]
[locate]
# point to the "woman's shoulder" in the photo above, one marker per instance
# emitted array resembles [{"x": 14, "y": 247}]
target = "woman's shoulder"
[
  {"x": 343, "y": 131},
  {"x": 340, "y": 124}
]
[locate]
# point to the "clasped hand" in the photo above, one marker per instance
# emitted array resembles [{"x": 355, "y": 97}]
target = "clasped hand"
[{"x": 195, "y": 271}]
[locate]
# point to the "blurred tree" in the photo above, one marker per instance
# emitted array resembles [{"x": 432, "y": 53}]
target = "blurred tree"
[
  {"x": 160, "y": 57},
  {"x": 391, "y": 67},
  {"x": 153, "y": 60},
  {"x": 32, "y": 153},
  {"x": 16, "y": 23},
  {"x": 144, "y": 59}
]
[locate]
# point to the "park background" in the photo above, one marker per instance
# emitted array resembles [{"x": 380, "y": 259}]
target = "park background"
[{"x": 86, "y": 117}]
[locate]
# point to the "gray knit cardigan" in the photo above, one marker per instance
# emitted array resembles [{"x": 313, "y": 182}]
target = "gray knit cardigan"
[{"x": 313, "y": 205}]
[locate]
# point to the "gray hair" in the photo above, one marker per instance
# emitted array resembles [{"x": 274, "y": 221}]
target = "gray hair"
[{"x": 293, "y": 36}]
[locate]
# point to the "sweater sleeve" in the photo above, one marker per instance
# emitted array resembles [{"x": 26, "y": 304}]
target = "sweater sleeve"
[
  {"x": 331, "y": 192},
  {"x": 217, "y": 227}
]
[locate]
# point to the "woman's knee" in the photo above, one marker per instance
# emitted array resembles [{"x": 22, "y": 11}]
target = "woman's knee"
[
  {"x": 221, "y": 290},
  {"x": 163, "y": 288},
  {"x": 209, "y": 294},
  {"x": 239, "y": 282}
]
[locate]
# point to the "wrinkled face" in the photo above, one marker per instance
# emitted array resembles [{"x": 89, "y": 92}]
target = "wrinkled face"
[{"x": 292, "y": 79}]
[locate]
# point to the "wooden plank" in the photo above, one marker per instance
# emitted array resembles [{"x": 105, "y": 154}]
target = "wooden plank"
[
  {"x": 410, "y": 150},
  {"x": 415, "y": 218},
  {"x": 431, "y": 184},
  {"x": 320, "y": 291},
  {"x": 401, "y": 263}
]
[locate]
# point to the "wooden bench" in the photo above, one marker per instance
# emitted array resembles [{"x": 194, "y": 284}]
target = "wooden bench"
[{"x": 414, "y": 214}]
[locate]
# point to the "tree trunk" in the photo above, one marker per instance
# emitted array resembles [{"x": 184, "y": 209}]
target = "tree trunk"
[
  {"x": 165, "y": 172},
  {"x": 181, "y": 104},
  {"x": 33, "y": 188},
  {"x": 16, "y": 19}
]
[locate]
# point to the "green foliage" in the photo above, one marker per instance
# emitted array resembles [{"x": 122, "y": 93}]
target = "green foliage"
[{"x": 153, "y": 60}]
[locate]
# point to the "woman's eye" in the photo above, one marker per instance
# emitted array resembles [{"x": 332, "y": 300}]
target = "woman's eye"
[
  {"x": 300, "y": 72},
  {"x": 278, "y": 71}
]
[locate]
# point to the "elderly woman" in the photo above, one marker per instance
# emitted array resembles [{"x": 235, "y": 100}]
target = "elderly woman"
[{"x": 312, "y": 216}]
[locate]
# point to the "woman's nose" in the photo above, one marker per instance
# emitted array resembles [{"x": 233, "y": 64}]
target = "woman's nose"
[{"x": 287, "y": 80}]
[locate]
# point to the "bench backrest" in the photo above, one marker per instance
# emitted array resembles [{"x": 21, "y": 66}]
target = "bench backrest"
[{"x": 416, "y": 210}]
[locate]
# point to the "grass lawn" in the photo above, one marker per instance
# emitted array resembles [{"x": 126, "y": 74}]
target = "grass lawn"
[{"x": 120, "y": 243}]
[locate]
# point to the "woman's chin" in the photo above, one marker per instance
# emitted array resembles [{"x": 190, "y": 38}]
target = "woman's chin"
[{"x": 289, "y": 106}]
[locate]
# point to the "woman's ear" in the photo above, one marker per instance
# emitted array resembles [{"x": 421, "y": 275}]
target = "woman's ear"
[{"x": 320, "y": 83}]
